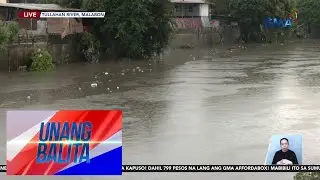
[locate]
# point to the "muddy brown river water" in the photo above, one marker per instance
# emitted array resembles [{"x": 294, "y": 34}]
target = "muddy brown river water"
[{"x": 193, "y": 107}]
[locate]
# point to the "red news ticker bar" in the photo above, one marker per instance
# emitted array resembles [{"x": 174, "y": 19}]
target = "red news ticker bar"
[{"x": 29, "y": 14}]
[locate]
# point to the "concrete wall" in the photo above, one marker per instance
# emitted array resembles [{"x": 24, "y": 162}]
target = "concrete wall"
[
  {"x": 193, "y": 37},
  {"x": 188, "y": 23},
  {"x": 41, "y": 29},
  {"x": 218, "y": 32},
  {"x": 204, "y": 10},
  {"x": 192, "y": 22},
  {"x": 50, "y": 26},
  {"x": 19, "y": 54}
]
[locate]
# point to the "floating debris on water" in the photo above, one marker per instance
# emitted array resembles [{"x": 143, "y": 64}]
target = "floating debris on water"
[
  {"x": 141, "y": 70},
  {"x": 79, "y": 88},
  {"x": 118, "y": 87},
  {"x": 138, "y": 67},
  {"x": 186, "y": 46},
  {"x": 110, "y": 80},
  {"x": 94, "y": 85},
  {"x": 29, "y": 97},
  {"x": 122, "y": 74},
  {"x": 106, "y": 73}
]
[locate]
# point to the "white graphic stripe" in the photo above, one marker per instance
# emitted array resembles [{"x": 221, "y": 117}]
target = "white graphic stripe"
[
  {"x": 110, "y": 144},
  {"x": 14, "y": 148}
]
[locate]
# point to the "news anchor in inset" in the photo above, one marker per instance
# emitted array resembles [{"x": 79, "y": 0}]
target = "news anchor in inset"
[{"x": 285, "y": 156}]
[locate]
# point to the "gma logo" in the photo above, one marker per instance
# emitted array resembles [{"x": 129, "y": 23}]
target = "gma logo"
[{"x": 277, "y": 23}]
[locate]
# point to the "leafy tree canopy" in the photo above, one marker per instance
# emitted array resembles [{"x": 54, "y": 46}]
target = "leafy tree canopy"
[
  {"x": 131, "y": 28},
  {"x": 309, "y": 11},
  {"x": 253, "y": 11},
  {"x": 220, "y": 7},
  {"x": 7, "y": 33}
]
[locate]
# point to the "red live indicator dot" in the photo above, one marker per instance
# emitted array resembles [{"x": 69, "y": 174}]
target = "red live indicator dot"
[{"x": 29, "y": 14}]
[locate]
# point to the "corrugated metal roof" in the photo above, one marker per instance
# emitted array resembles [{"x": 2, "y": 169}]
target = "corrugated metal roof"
[{"x": 52, "y": 7}]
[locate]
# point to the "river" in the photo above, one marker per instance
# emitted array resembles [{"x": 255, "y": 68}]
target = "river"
[{"x": 193, "y": 107}]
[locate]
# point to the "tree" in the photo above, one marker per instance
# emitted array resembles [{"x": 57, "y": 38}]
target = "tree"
[
  {"x": 7, "y": 33},
  {"x": 131, "y": 28},
  {"x": 309, "y": 11},
  {"x": 220, "y": 7},
  {"x": 252, "y": 12}
]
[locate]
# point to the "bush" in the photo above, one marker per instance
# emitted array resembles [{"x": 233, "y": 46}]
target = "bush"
[
  {"x": 41, "y": 60},
  {"x": 13, "y": 28},
  {"x": 8, "y": 31},
  {"x": 4, "y": 38},
  {"x": 307, "y": 176}
]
